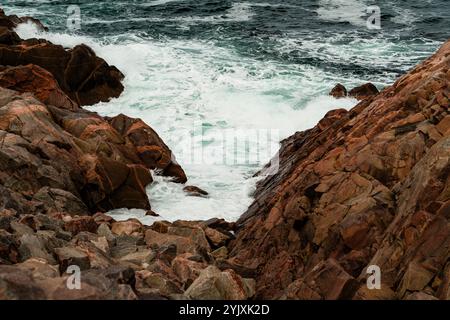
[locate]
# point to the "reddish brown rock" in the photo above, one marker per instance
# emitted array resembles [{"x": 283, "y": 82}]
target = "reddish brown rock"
[
  {"x": 365, "y": 187},
  {"x": 68, "y": 157},
  {"x": 80, "y": 224},
  {"x": 364, "y": 91},
  {"x": 153, "y": 152},
  {"x": 84, "y": 77},
  {"x": 131, "y": 227},
  {"x": 339, "y": 91},
  {"x": 34, "y": 79},
  {"x": 8, "y": 37},
  {"x": 212, "y": 284}
]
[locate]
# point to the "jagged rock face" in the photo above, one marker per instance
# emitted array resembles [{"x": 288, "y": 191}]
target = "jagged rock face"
[
  {"x": 150, "y": 147},
  {"x": 84, "y": 77},
  {"x": 34, "y": 79},
  {"x": 365, "y": 187},
  {"x": 59, "y": 164},
  {"x": 53, "y": 149},
  {"x": 37, "y": 152}
]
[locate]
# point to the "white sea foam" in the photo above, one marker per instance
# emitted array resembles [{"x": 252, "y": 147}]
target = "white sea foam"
[
  {"x": 352, "y": 11},
  {"x": 177, "y": 86},
  {"x": 157, "y": 3}
]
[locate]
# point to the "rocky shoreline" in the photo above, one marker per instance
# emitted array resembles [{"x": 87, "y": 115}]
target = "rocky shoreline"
[
  {"x": 369, "y": 186},
  {"x": 63, "y": 167},
  {"x": 365, "y": 187}
]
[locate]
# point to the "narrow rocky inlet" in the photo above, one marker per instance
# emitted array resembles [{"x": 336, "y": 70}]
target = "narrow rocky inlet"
[{"x": 368, "y": 186}]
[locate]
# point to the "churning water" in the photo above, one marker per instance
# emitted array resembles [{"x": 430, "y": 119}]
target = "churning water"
[{"x": 257, "y": 69}]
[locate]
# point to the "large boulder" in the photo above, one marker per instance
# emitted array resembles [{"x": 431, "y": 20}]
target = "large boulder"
[
  {"x": 34, "y": 79},
  {"x": 213, "y": 284},
  {"x": 84, "y": 77},
  {"x": 152, "y": 150},
  {"x": 364, "y": 91}
]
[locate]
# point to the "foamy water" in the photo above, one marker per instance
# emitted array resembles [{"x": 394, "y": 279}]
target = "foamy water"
[{"x": 223, "y": 108}]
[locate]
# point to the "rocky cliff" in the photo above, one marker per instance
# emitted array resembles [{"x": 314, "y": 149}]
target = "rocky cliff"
[
  {"x": 62, "y": 167},
  {"x": 369, "y": 186}
]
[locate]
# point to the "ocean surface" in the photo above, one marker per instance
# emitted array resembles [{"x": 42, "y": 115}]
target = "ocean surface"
[{"x": 223, "y": 81}]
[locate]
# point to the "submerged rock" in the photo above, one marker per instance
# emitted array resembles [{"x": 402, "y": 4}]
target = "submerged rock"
[
  {"x": 339, "y": 91},
  {"x": 194, "y": 191}
]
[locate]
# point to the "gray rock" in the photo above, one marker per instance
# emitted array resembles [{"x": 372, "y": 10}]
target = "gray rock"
[{"x": 213, "y": 284}]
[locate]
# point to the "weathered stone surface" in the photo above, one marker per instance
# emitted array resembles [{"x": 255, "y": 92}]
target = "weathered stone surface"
[
  {"x": 79, "y": 224},
  {"x": 9, "y": 248},
  {"x": 69, "y": 256},
  {"x": 364, "y": 91},
  {"x": 57, "y": 200},
  {"x": 194, "y": 191},
  {"x": 40, "y": 269},
  {"x": 8, "y": 36},
  {"x": 364, "y": 187},
  {"x": 186, "y": 269},
  {"x": 183, "y": 244},
  {"x": 32, "y": 246},
  {"x": 131, "y": 227},
  {"x": 339, "y": 91},
  {"x": 328, "y": 280},
  {"x": 220, "y": 253},
  {"x": 141, "y": 257},
  {"x": 195, "y": 234},
  {"x": 77, "y": 169},
  {"x": 153, "y": 152},
  {"x": 34, "y": 79},
  {"x": 213, "y": 284},
  {"x": 84, "y": 77},
  {"x": 216, "y": 238},
  {"x": 18, "y": 284},
  {"x": 159, "y": 283}
]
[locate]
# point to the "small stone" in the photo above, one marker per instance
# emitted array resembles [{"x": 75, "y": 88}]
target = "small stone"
[{"x": 194, "y": 191}]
